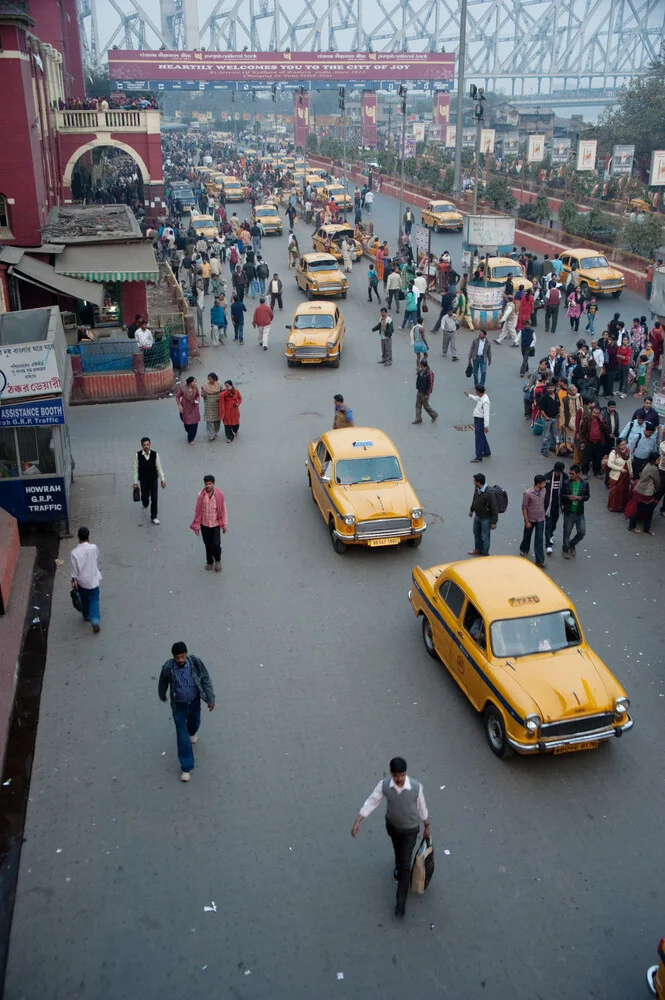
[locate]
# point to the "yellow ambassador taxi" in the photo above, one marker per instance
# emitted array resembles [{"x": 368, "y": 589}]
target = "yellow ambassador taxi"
[
  {"x": 337, "y": 191},
  {"x": 319, "y": 274},
  {"x": 316, "y": 335},
  {"x": 269, "y": 218},
  {"x": 595, "y": 275},
  {"x": 336, "y": 232},
  {"x": 498, "y": 269},
  {"x": 512, "y": 641},
  {"x": 358, "y": 483},
  {"x": 233, "y": 189},
  {"x": 442, "y": 215},
  {"x": 656, "y": 974},
  {"x": 203, "y": 225}
]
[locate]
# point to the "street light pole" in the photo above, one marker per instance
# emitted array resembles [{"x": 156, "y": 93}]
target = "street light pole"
[
  {"x": 461, "y": 55},
  {"x": 342, "y": 107},
  {"x": 402, "y": 94},
  {"x": 477, "y": 95}
]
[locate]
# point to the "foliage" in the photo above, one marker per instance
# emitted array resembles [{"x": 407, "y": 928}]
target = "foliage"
[
  {"x": 312, "y": 142},
  {"x": 638, "y": 117},
  {"x": 499, "y": 195},
  {"x": 332, "y": 148},
  {"x": 568, "y": 215},
  {"x": 541, "y": 208},
  {"x": 643, "y": 238}
]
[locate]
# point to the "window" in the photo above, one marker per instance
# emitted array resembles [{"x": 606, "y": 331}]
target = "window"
[
  {"x": 36, "y": 450},
  {"x": 8, "y": 453},
  {"x": 536, "y": 634},
  {"x": 453, "y": 597},
  {"x": 475, "y": 625},
  {"x": 321, "y": 452},
  {"x": 4, "y": 213},
  {"x": 367, "y": 470}
]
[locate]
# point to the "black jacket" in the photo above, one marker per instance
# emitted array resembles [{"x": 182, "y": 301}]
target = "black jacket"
[
  {"x": 200, "y": 675},
  {"x": 584, "y": 495},
  {"x": 556, "y": 499},
  {"x": 484, "y": 504}
]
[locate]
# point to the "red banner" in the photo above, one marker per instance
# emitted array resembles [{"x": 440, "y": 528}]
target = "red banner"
[
  {"x": 440, "y": 115},
  {"x": 301, "y": 108},
  {"x": 268, "y": 67},
  {"x": 369, "y": 118}
]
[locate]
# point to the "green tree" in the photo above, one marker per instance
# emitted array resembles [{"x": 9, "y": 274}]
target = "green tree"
[
  {"x": 312, "y": 142},
  {"x": 637, "y": 117},
  {"x": 568, "y": 215},
  {"x": 499, "y": 195},
  {"x": 643, "y": 238},
  {"x": 541, "y": 208},
  {"x": 97, "y": 82}
]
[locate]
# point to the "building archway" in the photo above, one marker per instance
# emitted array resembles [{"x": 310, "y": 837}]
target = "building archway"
[
  {"x": 95, "y": 144},
  {"x": 107, "y": 175}
]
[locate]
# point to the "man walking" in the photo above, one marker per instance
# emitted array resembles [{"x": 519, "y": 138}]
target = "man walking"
[
  {"x": 276, "y": 292},
  {"x": 393, "y": 288},
  {"x": 552, "y": 303},
  {"x": 508, "y": 322},
  {"x": 556, "y": 483},
  {"x": 533, "y": 512},
  {"x": 186, "y": 678},
  {"x": 147, "y": 472},
  {"x": 343, "y": 416},
  {"x": 485, "y": 513},
  {"x": 527, "y": 344},
  {"x": 385, "y": 328},
  {"x": 405, "y": 808},
  {"x": 263, "y": 317},
  {"x": 575, "y": 494},
  {"x": 84, "y": 561},
  {"x": 209, "y": 520},
  {"x": 424, "y": 386},
  {"x": 369, "y": 201},
  {"x": 480, "y": 356},
  {"x": 481, "y": 421},
  {"x": 449, "y": 338}
]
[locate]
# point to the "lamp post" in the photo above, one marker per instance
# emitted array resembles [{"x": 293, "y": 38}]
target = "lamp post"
[
  {"x": 477, "y": 95},
  {"x": 342, "y": 108},
  {"x": 461, "y": 55},
  {"x": 402, "y": 94}
]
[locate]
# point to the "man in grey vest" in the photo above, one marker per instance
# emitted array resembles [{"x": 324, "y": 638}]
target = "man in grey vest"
[{"x": 405, "y": 809}]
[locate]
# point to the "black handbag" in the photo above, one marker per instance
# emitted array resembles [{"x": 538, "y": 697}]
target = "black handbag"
[
  {"x": 469, "y": 370},
  {"x": 136, "y": 494},
  {"x": 76, "y": 599},
  {"x": 424, "y": 308},
  {"x": 532, "y": 352},
  {"x": 402, "y": 295}
]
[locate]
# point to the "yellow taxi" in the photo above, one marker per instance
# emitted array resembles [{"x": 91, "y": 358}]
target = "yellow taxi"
[
  {"x": 596, "y": 276},
  {"x": 512, "y": 641},
  {"x": 498, "y": 269},
  {"x": 337, "y": 191},
  {"x": 640, "y": 205},
  {"x": 315, "y": 172},
  {"x": 442, "y": 215},
  {"x": 656, "y": 974},
  {"x": 334, "y": 234},
  {"x": 316, "y": 183},
  {"x": 203, "y": 225},
  {"x": 316, "y": 335},
  {"x": 319, "y": 274},
  {"x": 233, "y": 189},
  {"x": 269, "y": 218},
  {"x": 358, "y": 483}
]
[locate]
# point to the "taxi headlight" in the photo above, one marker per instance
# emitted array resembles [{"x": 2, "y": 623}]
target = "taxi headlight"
[
  {"x": 350, "y": 519},
  {"x": 291, "y": 345},
  {"x": 621, "y": 706},
  {"x": 532, "y": 723},
  {"x": 331, "y": 344},
  {"x": 416, "y": 513}
]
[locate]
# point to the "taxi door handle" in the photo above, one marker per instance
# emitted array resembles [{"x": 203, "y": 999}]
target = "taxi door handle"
[{"x": 460, "y": 633}]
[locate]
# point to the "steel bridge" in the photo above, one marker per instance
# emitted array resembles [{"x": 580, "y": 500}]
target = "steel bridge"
[{"x": 521, "y": 47}]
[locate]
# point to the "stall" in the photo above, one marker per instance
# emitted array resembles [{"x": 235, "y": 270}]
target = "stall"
[{"x": 35, "y": 383}]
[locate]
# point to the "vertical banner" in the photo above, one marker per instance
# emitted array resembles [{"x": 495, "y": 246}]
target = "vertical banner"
[
  {"x": 561, "y": 150},
  {"x": 440, "y": 115},
  {"x": 487, "y": 141},
  {"x": 451, "y": 136},
  {"x": 586, "y": 154},
  {"x": 657, "y": 177},
  {"x": 536, "y": 153},
  {"x": 511, "y": 144},
  {"x": 622, "y": 161},
  {"x": 369, "y": 118},
  {"x": 301, "y": 108},
  {"x": 419, "y": 131}
]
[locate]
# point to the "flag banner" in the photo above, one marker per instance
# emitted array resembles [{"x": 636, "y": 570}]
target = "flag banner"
[
  {"x": 440, "y": 115},
  {"x": 487, "y": 141},
  {"x": 622, "y": 161},
  {"x": 586, "y": 154},
  {"x": 561, "y": 150},
  {"x": 369, "y": 118},
  {"x": 451, "y": 136},
  {"x": 536, "y": 153},
  {"x": 301, "y": 107}
]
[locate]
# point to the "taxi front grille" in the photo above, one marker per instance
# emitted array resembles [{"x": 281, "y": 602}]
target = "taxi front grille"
[
  {"x": 609, "y": 283},
  {"x": 384, "y": 526},
  {"x": 575, "y": 727},
  {"x": 311, "y": 352}
]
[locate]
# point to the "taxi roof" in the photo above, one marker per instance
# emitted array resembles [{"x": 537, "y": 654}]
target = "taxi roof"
[
  {"x": 312, "y": 308},
  {"x": 496, "y": 580},
  {"x": 336, "y": 227},
  {"x": 500, "y": 261},
  {"x": 584, "y": 250},
  {"x": 342, "y": 441},
  {"x": 442, "y": 201},
  {"x": 267, "y": 205},
  {"x": 321, "y": 256}
]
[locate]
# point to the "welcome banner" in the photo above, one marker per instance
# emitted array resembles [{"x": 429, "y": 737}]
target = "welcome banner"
[
  {"x": 302, "y": 119},
  {"x": 440, "y": 115}
]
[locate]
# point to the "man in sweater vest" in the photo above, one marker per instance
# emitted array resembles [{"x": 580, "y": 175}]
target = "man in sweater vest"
[
  {"x": 405, "y": 809},
  {"x": 147, "y": 471}
]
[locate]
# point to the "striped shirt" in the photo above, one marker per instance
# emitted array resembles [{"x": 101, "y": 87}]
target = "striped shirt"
[
  {"x": 184, "y": 685},
  {"x": 209, "y": 517}
]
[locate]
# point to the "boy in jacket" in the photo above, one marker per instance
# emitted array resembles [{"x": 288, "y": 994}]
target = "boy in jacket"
[
  {"x": 573, "y": 499},
  {"x": 189, "y": 681}
]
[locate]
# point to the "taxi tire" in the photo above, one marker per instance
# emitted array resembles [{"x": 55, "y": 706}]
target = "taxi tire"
[
  {"x": 615, "y": 295},
  {"x": 415, "y": 542},
  {"x": 290, "y": 362},
  {"x": 310, "y": 294},
  {"x": 343, "y": 295},
  {"x": 496, "y": 732},
  {"x": 338, "y": 546},
  {"x": 436, "y": 227},
  {"x": 584, "y": 288},
  {"x": 428, "y": 638}
]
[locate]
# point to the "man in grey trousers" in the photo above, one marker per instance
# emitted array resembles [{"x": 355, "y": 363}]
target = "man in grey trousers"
[{"x": 405, "y": 809}]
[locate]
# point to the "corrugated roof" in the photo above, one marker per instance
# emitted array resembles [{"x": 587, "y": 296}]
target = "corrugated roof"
[
  {"x": 44, "y": 274},
  {"x": 109, "y": 263}
]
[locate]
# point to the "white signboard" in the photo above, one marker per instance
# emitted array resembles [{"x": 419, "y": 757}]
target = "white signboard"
[
  {"x": 489, "y": 230},
  {"x": 657, "y": 177},
  {"x": 487, "y": 140},
  {"x": 451, "y": 136},
  {"x": 421, "y": 238},
  {"x": 536, "y": 152},
  {"x": 419, "y": 131},
  {"x": 28, "y": 371},
  {"x": 586, "y": 154}
]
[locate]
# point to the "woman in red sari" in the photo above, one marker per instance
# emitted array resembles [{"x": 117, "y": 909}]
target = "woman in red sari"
[{"x": 620, "y": 473}]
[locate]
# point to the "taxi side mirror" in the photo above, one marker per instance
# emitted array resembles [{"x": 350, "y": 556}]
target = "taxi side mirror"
[{"x": 287, "y": 326}]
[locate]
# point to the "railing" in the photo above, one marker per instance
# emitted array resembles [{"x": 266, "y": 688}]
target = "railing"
[{"x": 91, "y": 121}]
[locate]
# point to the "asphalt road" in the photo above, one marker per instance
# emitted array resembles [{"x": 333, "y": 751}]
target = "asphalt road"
[{"x": 552, "y": 887}]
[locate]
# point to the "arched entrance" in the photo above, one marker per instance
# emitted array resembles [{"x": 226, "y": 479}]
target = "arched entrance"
[{"x": 108, "y": 176}]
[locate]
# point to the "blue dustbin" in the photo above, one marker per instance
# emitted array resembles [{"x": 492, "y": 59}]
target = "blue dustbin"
[{"x": 180, "y": 350}]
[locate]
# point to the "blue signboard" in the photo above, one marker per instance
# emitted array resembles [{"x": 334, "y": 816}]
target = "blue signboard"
[
  {"x": 38, "y": 413},
  {"x": 129, "y": 86},
  {"x": 34, "y": 499}
]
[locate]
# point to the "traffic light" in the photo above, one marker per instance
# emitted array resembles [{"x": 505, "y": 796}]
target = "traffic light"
[
  {"x": 342, "y": 102},
  {"x": 253, "y": 94},
  {"x": 402, "y": 93},
  {"x": 274, "y": 92}
]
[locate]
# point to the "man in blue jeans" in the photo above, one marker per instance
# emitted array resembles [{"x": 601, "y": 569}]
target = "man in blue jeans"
[
  {"x": 86, "y": 577},
  {"x": 575, "y": 495},
  {"x": 480, "y": 356},
  {"x": 549, "y": 414},
  {"x": 189, "y": 682},
  {"x": 485, "y": 513},
  {"x": 533, "y": 512}
]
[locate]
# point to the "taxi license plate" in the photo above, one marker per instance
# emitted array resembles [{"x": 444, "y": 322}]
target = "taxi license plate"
[
  {"x": 572, "y": 747},
  {"x": 383, "y": 541},
  {"x": 310, "y": 361}
]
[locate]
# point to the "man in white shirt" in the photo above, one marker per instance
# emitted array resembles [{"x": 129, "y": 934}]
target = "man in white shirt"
[
  {"x": 481, "y": 421},
  {"x": 143, "y": 336},
  {"x": 598, "y": 354},
  {"x": 449, "y": 340},
  {"x": 419, "y": 287},
  {"x": 369, "y": 201},
  {"x": 86, "y": 577},
  {"x": 406, "y": 807},
  {"x": 215, "y": 266}
]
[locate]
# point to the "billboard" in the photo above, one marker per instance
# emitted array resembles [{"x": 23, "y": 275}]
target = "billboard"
[
  {"x": 487, "y": 141},
  {"x": 536, "y": 153},
  {"x": 258, "y": 67},
  {"x": 28, "y": 370},
  {"x": 469, "y": 138},
  {"x": 586, "y": 154},
  {"x": 561, "y": 150},
  {"x": 409, "y": 146},
  {"x": 622, "y": 161},
  {"x": 301, "y": 112},
  {"x": 369, "y": 118},
  {"x": 419, "y": 131},
  {"x": 511, "y": 144},
  {"x": 451, "y": 136},
  {"x": 657, "y": 176},
  {"x": 440, "y": 115},
  {"x": 489, "y": 231}
]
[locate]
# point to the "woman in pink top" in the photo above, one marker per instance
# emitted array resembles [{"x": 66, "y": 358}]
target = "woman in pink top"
[{"x": 188, "y": 399}]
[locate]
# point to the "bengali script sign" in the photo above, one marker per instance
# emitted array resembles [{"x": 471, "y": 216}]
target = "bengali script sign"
[{"x": 30, "y": 370}]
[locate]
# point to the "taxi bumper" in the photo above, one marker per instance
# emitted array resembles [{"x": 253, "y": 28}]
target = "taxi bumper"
[{"x": 547, "y": 746}]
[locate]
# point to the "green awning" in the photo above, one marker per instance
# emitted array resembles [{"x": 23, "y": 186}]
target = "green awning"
[{"x": 116, "y": 262}]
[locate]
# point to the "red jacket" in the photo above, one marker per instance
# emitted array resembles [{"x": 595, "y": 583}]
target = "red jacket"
[
  {"x": 198, "y": 510},
  {"x": 229, "y": 407},
  {"x": 624, "y": 355},
  {"x": 263, "y": 315}
]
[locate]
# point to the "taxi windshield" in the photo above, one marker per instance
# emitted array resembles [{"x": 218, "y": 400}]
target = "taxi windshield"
[
  {"x": 503, "y": 270},
  {"x": 598, "y": 261},
  {"x": 204, "y": 224},
  {"x": 322, "y": 265},
  {"x": 367, "y": 470},
  {"x": 264, "y": 213},
  {"x": 535, "y": 634},
  {"x": 443, "y": 207},
  {"x": 315, "y": 321}
]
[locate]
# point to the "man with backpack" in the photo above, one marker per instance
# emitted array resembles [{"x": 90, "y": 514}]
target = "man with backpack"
[
  {"x": 372, "y": 284},
  {"x": 552, "y": 303},
  {"x": 485, "y": 513},
  {"x": 424, "y": 386}
]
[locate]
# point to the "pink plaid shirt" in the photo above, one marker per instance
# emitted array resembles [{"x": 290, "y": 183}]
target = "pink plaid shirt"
[{"x": 209, "y": 516}]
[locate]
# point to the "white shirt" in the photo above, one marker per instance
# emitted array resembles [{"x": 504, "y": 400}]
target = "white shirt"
[
  {"x": 449, "y": 325},
  {"x": 215, "y": 267},
  {"x": 84, "y": 565},
  {"x": 420, "y": 283},
  {"x": 144, "y": 338},
  {"x": 480, "y": 350},
  {"x": 598, "y": 357},
  {"x": 369, "y": 198},
  {"x": 158, "y": 465},
  {"x": 375, "y": 798},
  {"x": 482, "y": 408}
]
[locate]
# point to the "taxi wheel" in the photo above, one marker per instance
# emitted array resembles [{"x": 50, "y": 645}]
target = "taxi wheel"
[
  {"x": 615, "y": 295},
  {"x": 310, "y": 294},
  {"x": 496, "y": 732},
  {"x": 436, "y": 227},
  {"x": 428, "y": 638},
  {"x": 339, "y": 546},
  {"x": 584, "y": 288},
  {"x": 290, "y": 362},
  {"x": 343, "y": 295},
  {"x": 415, "y": 542}
]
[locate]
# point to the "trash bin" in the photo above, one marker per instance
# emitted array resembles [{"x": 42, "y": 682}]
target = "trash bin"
[{"x": 180, "y": 350}]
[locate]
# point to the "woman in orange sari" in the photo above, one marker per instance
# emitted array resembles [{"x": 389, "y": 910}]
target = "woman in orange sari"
[{"x": 620, "y": 473}]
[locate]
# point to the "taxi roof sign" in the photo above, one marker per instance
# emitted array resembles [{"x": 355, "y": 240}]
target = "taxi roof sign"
[
  {"x": 516, "y": 602},
  {"x": 363, "y": 444}
]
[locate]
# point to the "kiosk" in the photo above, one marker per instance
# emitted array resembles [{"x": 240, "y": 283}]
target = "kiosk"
[{"x": 490, "y": 235}]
